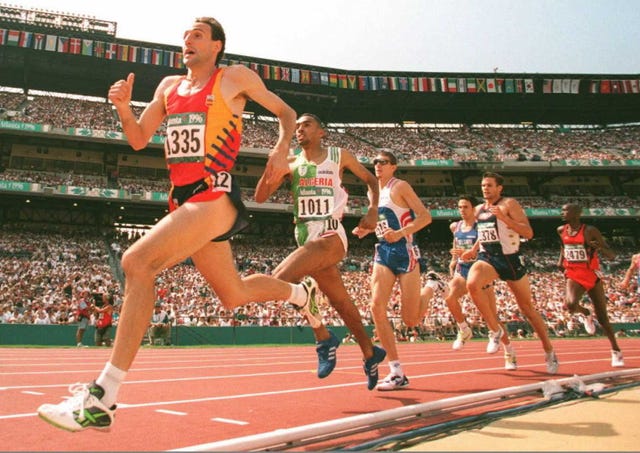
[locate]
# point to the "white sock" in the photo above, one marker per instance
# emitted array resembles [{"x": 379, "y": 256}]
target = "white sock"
[
  {"x": 110, "y": 380},
  {"x": 508, "y": 348},
  {"x": 432, "y": 284},
  {"x": 462, "y": 325},
  {"x": 396, "y": 368},
  {"x": 298, "y": 295}
]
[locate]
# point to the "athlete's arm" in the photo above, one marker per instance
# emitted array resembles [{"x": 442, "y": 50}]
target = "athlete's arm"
[
  {"x": 349, "y": 161},
  {"x": 513, "y": 215},
  {"x": 405, "y": 195},
  {"x": 594, "y": 238},
  {"x": 251, "y": 86},
  {"x": 139, "y": 131},
  {"x": 635, "y": 259}
]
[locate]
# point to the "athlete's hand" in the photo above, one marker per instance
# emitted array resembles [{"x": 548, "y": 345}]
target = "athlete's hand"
[
  {"x": 277, "y": 166},
  {"x": 120, "y": 92},
  {"x": 361, "y": 232}
]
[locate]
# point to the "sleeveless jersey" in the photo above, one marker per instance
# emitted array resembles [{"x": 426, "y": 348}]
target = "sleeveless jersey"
[
  {"x": 203, "y": 135},
  {"x": 494, "y": 235},
  {"x": 465, "y": 239},
  {"x": 318, "y": 193},
  {"x": 390, "y": 215},
  {"x": 577, "y": 254}
]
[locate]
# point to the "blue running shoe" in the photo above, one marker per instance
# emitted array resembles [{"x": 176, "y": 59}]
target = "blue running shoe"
[
  {"x": 371, "y": 366},
  {"x": 326, "y": 350}
]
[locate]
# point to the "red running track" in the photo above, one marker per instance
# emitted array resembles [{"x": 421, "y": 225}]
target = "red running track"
[{"x": 177, "y": 398}]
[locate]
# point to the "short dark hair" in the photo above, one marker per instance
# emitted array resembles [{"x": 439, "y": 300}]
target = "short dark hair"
[
  {"x": 315, "y": 117},
  {"x": 470, "y": 198},
  {"x": 389, "y": 155},
  {"x": 217, "y": 33},
  {"x": 498, "y": 177}
]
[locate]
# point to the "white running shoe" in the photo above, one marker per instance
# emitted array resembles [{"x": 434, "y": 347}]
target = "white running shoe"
[
  {"x": 494, "y": 341},
  {"x": 464, "y": 335},
  {"x": 589, "y": 325},
  {"x": 510, "y": 362},
  {"x": 82, "y": 410},
  {"x": 617, "y": 360},
  {"x": 552, "y": 362},
  {"x": 393, "y": 382},
  {"x": 310, "y": 309}
]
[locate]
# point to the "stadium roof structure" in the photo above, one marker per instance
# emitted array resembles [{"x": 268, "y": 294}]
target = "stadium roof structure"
[{"x": 87, "y": 60}]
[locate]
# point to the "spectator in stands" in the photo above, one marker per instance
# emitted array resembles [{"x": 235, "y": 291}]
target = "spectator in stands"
[
  {"x": 160, "y": 326},
  {"x": 83, "y": 315},
  {"x": 581, "y": 245},
  {"x": 634, "y": 268},
  {"x": 400, "y": 215},
  {"x": 104, "y": 312},
  {"x": 501, "y": 221},
  {"x": 319, "y": 202},
  {"x": 205, "y": 205}
]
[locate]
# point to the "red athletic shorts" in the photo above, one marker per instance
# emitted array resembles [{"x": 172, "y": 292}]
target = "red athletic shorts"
[{"x": 587, "y": 278}]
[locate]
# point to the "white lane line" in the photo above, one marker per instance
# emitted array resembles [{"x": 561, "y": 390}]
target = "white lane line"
[
  {"x": 165, "y": 411},
  {"x": 228, "y": 420},
  {"x": 29, "y": 392}
]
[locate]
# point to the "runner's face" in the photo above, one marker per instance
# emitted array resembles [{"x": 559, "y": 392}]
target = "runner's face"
[
  {"x": 490, "y": 189},
  {"x": 465, "y": 209},
  {"x": 308, "y": 130},
  {"x": 197, "y": 45}
]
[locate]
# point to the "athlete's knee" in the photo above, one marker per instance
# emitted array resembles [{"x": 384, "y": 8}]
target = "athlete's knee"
[{"x": 134, "y": 266}]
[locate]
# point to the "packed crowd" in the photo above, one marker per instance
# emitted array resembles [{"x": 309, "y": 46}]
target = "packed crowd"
[
  {"x": 44, "y": 275},
  {"x": 141, "y": 185},
  {"x": 408, "y": 143}
]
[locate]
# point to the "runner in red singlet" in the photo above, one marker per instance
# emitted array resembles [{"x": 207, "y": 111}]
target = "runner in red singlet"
[{"x": 581, "y": 245}]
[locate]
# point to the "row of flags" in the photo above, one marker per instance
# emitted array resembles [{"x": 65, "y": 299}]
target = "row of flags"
[{"x": 173, "y": 59}]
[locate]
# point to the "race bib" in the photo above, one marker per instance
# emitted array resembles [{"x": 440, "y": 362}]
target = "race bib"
[
  {"x": 381, "y": 226},
  {"x": 315, "y": 203},
  {"x": 575, "y": 253},
  {"x": 221, "y": 181},
  {"x": 487, "y": 232},
  {"x": 185, "y": 138}
]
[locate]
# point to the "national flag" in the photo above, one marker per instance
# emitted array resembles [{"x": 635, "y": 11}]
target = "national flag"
[
  {"x": 275, "y": 72},
  {"x": 373, "y": 83},
  {"x": 519, "y": 86},
  {"x": 3, "y": 36},
  {"x": 315, "y": 78},
  {"x": 635, "y": 86},
  {"x": 444, "y": 84},
  {"x": 423, "y": 84},
  {"x": 615, "y": 86},
  {"x": 305, "y": 76},
  {"x": 482, "y": 85},
  {"x": 363, "y": 83},
  {"x": 557, "y": 86},
  {"x": 566, "y": 85},
  {"x": 594, "y": 86},
  {"x": 133, "y": 54},
  {"x": 51, "y": 43},
  {"x": 333, "y": 80},
  {"x": 13, "y": 38},
  {"x": 145, "y": 55},
  {"x": 255, "y": 67},
  {"x": 38, "y": 41},
  {"x": 491, "y": 85},
  {"x": 462, "y": 85},
  {"x": 605, "y": 86},
  {"x": 295, "y": 75},
  {"x": 167, "y": 57},
  {"x": 26, "y": 39},
  {"x": 404, "y": 83},
  {"x": 156, "y": 57},
  {"x": 471, "y": 85},
  {"x": 63, "y": 44},
  {"x": 547, "y": 86},
  {"x": 509, "y": 86},
  {"x": 528, "y": 86},
  {"x": 178, "y": 62},
  {"x": 285, "y": 74},
  {"x": 98, "y": 49},
  {"x": 75, "y": 46},
  {"x": 383, "y": 82},
  {"x": 324, "y": 78},
  {"x": 626, "y": 85},
  {"x": 352, "y": 81},
  {"x": 499, "y": 85},
  {"x": 111, "y": 51},
  {"x": 393, "y": 83},
  {"x": 575, "y": 86},
  {"x": 123, "y": 52},
  {"x": 413, "y": 84},
  {"x": 87, "y": 47}
]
